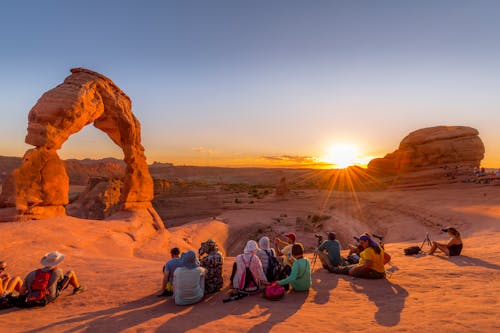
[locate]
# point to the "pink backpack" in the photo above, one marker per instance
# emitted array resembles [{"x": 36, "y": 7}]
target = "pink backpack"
[{"x": 274, "y": 291}]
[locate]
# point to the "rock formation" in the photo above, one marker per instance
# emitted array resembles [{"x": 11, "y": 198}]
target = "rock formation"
[
  {"x": 282, "y": 188},
  {"x": 161, "y": 186},
  {"x": 40, "y": 185},
  {"x": 433, "y": 151},
  {"x": 100, "y": 200}
]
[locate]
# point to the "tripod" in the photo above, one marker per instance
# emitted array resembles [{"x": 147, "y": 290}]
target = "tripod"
[
  {"x": 426, "y": 240},
  {"x": 315, "y": 257}
]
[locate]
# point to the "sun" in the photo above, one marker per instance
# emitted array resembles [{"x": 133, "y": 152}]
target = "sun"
[{"x": 343, "y": 155}]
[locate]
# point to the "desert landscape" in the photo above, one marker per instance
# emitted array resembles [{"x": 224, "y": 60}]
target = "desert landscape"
[
  {"x": 130, "y": 128},
  {"x": 120, "y": 261}
]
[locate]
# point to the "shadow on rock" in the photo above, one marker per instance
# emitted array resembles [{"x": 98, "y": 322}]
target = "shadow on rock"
[{"x": 388, "y": 297}]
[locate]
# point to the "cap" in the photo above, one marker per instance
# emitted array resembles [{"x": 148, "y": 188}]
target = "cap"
[
  {"x": 331, "y": 235},
  {"x": 291, "y": 235}
]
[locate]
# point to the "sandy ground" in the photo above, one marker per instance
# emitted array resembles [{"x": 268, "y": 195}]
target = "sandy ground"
[{"x": 120, "y": 264}]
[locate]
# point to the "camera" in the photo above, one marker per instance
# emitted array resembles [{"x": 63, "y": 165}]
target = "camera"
[
  {"x": 356, "y": 239},
  {"x": 319, "y": 237}
]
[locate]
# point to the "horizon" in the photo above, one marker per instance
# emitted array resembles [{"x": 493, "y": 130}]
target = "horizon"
[{"x": 261, "y": 84}]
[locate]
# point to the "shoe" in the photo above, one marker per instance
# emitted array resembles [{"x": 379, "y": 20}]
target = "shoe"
[
  {"x": 165, "y": 293},
  {"x": 78, "y": 290}
]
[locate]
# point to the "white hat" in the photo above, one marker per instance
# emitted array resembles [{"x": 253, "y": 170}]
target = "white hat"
[
  {"x": 251, "y": 247},
  {"x": 52, "y": 259}
]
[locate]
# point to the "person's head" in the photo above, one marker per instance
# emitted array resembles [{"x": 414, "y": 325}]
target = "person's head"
[
  {"x": 291, "y": 237},
  {"x": 264, "y": 243},
  {"x": 451, "y": 231},
  {"x": 3, "y": 266},
  {"x": 297, "y": 250},
  {"x": 208, "y": 247},
  {"x": 331, "y": 235},
  {"x": 189, "y": 259},
  {"x": 366, "y": 241},
  {"x": 52, "y": 259},
  {"x": 251, "y": 247},
  {"x": 175, "y": 252}
]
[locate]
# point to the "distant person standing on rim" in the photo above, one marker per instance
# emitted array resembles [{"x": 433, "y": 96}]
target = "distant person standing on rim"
[{"x": 332, "y": 246}]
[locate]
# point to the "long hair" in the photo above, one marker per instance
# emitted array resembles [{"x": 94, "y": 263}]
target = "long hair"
[
  {"x": 373, "y": 244},
  {"x": 454, "y": 232}
]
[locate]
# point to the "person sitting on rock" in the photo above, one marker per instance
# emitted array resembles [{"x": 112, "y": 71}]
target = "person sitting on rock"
[
  {"x": 300, "y": 276},
  {"x": 189, "y": 280},
  {"x": 168, "y": 272},
  {"x": 212, "y": 262},
  {"x": 248, "y": 275},
  {"x": 8, "y": 284},
  {"x": 332, "y": 246},
  {"x": 286, "y": 250},
  {"x": 44, "y": 285},
  {"x": 454, "y": 245},
  {"x": 371, "y": 261}
]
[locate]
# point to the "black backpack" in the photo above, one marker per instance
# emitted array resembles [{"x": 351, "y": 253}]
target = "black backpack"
[
  {"x": 249, "y": 284},
  {"x": 412, "y": 250},
  {"x": 273, "y": 267}
]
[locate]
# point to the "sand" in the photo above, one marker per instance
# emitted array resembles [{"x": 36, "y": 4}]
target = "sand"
[{"x": 120, "y": 264}]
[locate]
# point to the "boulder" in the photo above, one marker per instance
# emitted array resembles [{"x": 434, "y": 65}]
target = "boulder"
[
  {"x": 100, "y": 200},
  {"x": 433, "y": 152},
  {"x": 282, "y": 188}
]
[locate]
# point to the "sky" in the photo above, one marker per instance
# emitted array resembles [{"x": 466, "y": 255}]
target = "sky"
[{"x": 259, "y": 83}]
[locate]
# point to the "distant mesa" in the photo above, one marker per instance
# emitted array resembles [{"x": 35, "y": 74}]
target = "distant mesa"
[
  {"x": 433, "y": 152},
  {"x": 39, "y": 187}
]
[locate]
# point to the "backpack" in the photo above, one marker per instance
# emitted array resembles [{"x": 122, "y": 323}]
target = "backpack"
[
  {"x": 412, "y": 250},
  {"x": 38, "y": 292},
  {"x": 274, "y": 292},
  {"x": 273, "y": 267},
  {"x": 247, "y": 283}
]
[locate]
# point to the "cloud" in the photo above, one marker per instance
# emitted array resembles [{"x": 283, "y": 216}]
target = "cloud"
[
  {"x": 203, "y": 150},
  {"x": 291, "y": 159}
]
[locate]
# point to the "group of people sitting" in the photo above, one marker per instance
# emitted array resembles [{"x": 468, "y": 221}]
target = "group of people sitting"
[
  {"x": 40, "y": 286},
  {"x": 188, "y": 279}
]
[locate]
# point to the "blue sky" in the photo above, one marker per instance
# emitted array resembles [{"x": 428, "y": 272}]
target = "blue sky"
[{"x": 231, "y": 82}]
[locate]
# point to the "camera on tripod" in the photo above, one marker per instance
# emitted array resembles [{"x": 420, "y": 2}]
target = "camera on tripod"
[{"x": 319, "y": 237}]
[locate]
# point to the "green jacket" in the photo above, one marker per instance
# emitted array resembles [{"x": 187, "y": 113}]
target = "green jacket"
[{"x": 300, "y": 277}]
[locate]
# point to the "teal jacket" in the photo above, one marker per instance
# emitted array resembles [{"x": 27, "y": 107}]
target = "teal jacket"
[{"x": 300, "y": 277}]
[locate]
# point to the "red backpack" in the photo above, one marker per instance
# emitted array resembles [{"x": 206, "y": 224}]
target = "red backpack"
[
  {"x": 274, "y": 291},
  {"x": 38, "y": 290}
]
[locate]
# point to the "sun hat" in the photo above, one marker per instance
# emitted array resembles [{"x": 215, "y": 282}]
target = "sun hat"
[
  {"x": 189, "y": 259},
  {"x": 52, "y": 259},
  {"x": 251, "y": 247},
  {"x": 291, "y": 235}
]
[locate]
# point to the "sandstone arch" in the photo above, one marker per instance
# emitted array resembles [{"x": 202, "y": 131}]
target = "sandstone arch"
[{"x": 40, "y": 185}]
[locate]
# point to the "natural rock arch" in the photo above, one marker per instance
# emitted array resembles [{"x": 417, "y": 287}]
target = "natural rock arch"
[{"x": 40, "y": 186}]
